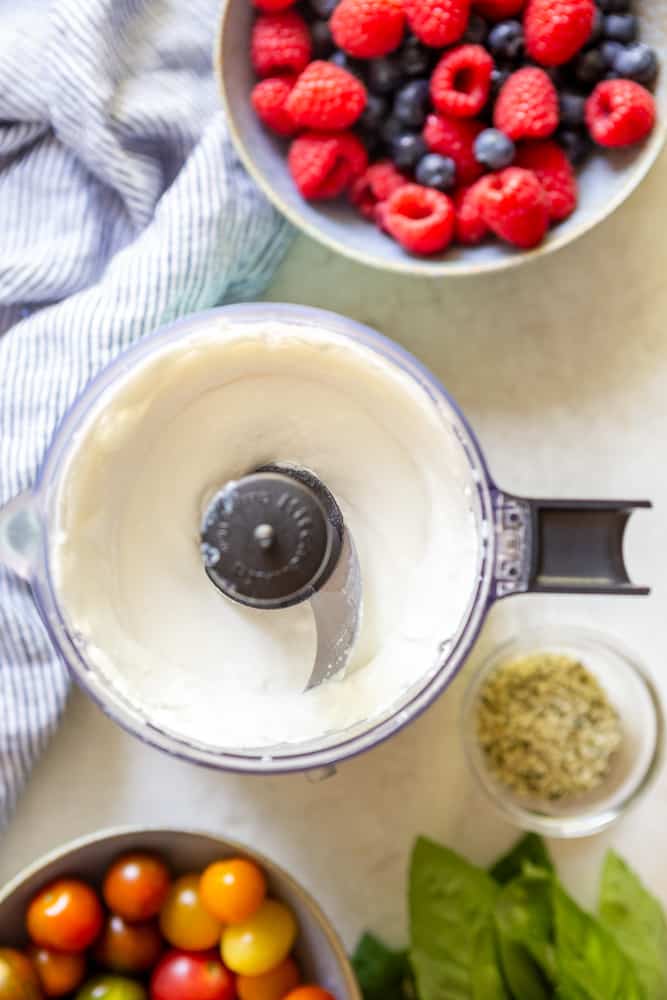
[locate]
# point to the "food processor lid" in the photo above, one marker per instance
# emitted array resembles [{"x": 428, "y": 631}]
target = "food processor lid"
[{"x": 275, "y": 538}]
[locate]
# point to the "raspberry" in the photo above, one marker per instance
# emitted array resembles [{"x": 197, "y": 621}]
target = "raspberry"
[
  {"x": 470, "y": 225},
  {"x": 554, "y": 172},
  {"x": 272, "y": 6},
  {"x": 555, "y": 30},
  {"x": 375, "y": 186},
  {"x": 527, "y": 105},
  {"x": 280, "y": 44},
  {"x": 419, "y": 218},
  {"x": 514, "y": 206},
  {"x": 324, "y": 164},
  {"x": 619, "y": 112},
  {"x": 268, "y": 99},
  {"x": 498, "y": 10},
  {"x": 461, "y": 82},
  {"x": 438, "y": 22},
  {"x": 368, "y": 28},
  {"x": 455, "y": 137},
  {"x": 326, "y": 97}
]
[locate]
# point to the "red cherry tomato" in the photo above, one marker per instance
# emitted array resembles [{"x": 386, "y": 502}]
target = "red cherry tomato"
[
  {"x": 233, "y": 890},
  {"x": 66, "y": 916},
  {"x": 183, "y": 975},
  {"x": 127, "y": 947},
  {"x": 310, "y": 993},
  {"x": 18, "y": 979},
  {"x": 59, "y": 972},
  {"x": 136, "y": 886}
]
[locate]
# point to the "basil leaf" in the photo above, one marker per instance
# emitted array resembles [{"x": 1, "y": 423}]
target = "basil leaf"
[
  {"x": 523, "y": 916},
  {"x": 530, "y": 848},
  {"x": 382, "y": 974},
  {"x": 591, "y": 966},
  {"x": 637, "y": 921},
  {"x": 451, "y": 908}
]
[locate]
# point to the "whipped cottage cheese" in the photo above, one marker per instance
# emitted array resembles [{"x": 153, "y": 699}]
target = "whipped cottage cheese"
[{"x": 208, "y": 409}]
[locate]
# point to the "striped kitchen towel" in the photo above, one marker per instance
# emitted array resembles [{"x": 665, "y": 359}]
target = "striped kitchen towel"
[{"x": 122, "y": 206}]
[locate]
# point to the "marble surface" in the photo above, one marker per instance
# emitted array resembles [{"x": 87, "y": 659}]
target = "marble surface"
[{"x": 561, "y": 367}]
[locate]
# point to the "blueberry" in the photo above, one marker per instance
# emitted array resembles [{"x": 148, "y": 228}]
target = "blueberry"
[
  {"x": 370, "y": 139},
  {"x": 621, "y": 27},
  {"x": 384, "y": 75},
  {"x": 374, "y": 113},
  {"x": 597, "y": 30},
  {"x": 407, "y": 149},
  {"x": 477, "y": 30},
  {"x": 414, "y": 59},
  {"x": 436, "y": 171},
  {"x": 636, "y": 62},
  {"x": 411, "y": 103},
  {"x": 323, "y": 8},
  {"x": 589, "y": 68},
  {"x": 505, "y": 40},
  {"x": 390, "y": 129},
  {"x": 342, "y": 59},
  {"x": 613, "y": 6},
  {"x": 323, "y": 44},
  {"x": 610, "y": 51},
  {"x": 571, "y": 108},
  {"x": 577, "y": 145},
  {"x": 499, "y": 76},
  {"x": 494, "y": 149}
]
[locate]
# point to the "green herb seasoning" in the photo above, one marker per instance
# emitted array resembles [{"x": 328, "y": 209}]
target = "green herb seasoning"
[{"x": 546, "y": 727}]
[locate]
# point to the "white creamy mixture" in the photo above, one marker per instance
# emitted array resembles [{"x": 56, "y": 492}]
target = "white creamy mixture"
[{"x": 213, "y": 408}]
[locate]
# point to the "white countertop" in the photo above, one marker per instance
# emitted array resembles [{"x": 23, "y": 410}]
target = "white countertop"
[{"x": 561, "y": 367}]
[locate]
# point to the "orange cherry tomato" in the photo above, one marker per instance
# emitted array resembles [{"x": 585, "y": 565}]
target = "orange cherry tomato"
[
  {"x": 233, "y": 890},
  {"x": 136, "y": 886},
  {"x": 309, "y": 993},
  {"x": 18, "y": 979},
  {"x": 59, "y": 972},
  {"x": 184, "y": 920},
  {"x": 66, "y": 916},
  {"x": 126, "y": 947},
  {"x": 273, "y": 985}
]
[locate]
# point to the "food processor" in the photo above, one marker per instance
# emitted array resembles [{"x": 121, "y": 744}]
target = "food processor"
[{"x": 275, "y": 537}]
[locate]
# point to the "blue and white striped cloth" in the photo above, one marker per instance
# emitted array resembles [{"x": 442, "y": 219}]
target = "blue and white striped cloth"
[{"x": 122, "y": 206}]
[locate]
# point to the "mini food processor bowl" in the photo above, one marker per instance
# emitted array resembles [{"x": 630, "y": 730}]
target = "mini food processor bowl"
[
  {"x": 628, "y": 689},
  {"x": 319, "y": 950},
  {"x": 523, "y": 545},
  {"x": 605, "y": 182}
]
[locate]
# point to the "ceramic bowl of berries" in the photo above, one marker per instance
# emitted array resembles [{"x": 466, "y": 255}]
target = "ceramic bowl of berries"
[
  {"x": 563, "y": 729},
  {"x": 138, "y": 914},
  {"x": 445, "y": 136}
]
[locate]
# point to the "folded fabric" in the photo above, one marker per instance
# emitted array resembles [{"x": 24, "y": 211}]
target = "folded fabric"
[{"x": 122, "y": 206}]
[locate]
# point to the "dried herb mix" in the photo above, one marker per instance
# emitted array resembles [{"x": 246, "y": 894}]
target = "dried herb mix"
[{"x": 546, "y": 727}]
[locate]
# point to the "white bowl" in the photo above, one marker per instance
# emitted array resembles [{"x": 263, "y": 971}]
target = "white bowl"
[
  {"x": 319, "y": 950},
  {"x": 605, "y": 181}
]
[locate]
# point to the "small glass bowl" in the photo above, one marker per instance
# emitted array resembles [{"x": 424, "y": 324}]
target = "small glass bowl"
[{"x": 634, "y": 697}]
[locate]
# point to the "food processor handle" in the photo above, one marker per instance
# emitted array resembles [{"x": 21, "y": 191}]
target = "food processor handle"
[
  {"x": 19, "y": 535},
  {"x": 561, "y": 546}
]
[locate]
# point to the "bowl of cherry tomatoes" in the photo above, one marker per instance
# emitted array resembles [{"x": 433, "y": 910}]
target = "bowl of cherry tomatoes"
[{"x": 165, "y": 915}]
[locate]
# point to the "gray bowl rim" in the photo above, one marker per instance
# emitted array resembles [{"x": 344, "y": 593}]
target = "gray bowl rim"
[
  {"x": 434, "y": 269},
  {"x": 108, "y": 833}
]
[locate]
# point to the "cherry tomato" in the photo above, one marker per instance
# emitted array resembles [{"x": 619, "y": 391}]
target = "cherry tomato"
[
  {"x": 59, "y": 972},
  {"x": 127, "y": 947},
  {"x": 111, "y": 988},
  {"x": 136, "y": 886},
  {"x": 233, "y": 890},
  {"x": 18, "y": 979},
  {"x": 310, "y": 993},
  {"x": 66, "y": 916},
  {"x": 183, "y": 975},
  {"x": 272, "y": 985},
  {"x": 260, "y": 943},
  {"x": 184, "y": 921}
]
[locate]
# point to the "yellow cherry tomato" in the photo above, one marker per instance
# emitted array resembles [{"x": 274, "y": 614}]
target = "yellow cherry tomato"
[
  {"x": 184, "y": 920},
  {"x": 273, "y": 985},
  {"x": 233, "y": 890},
  {"x": 260, "y": 943}
]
